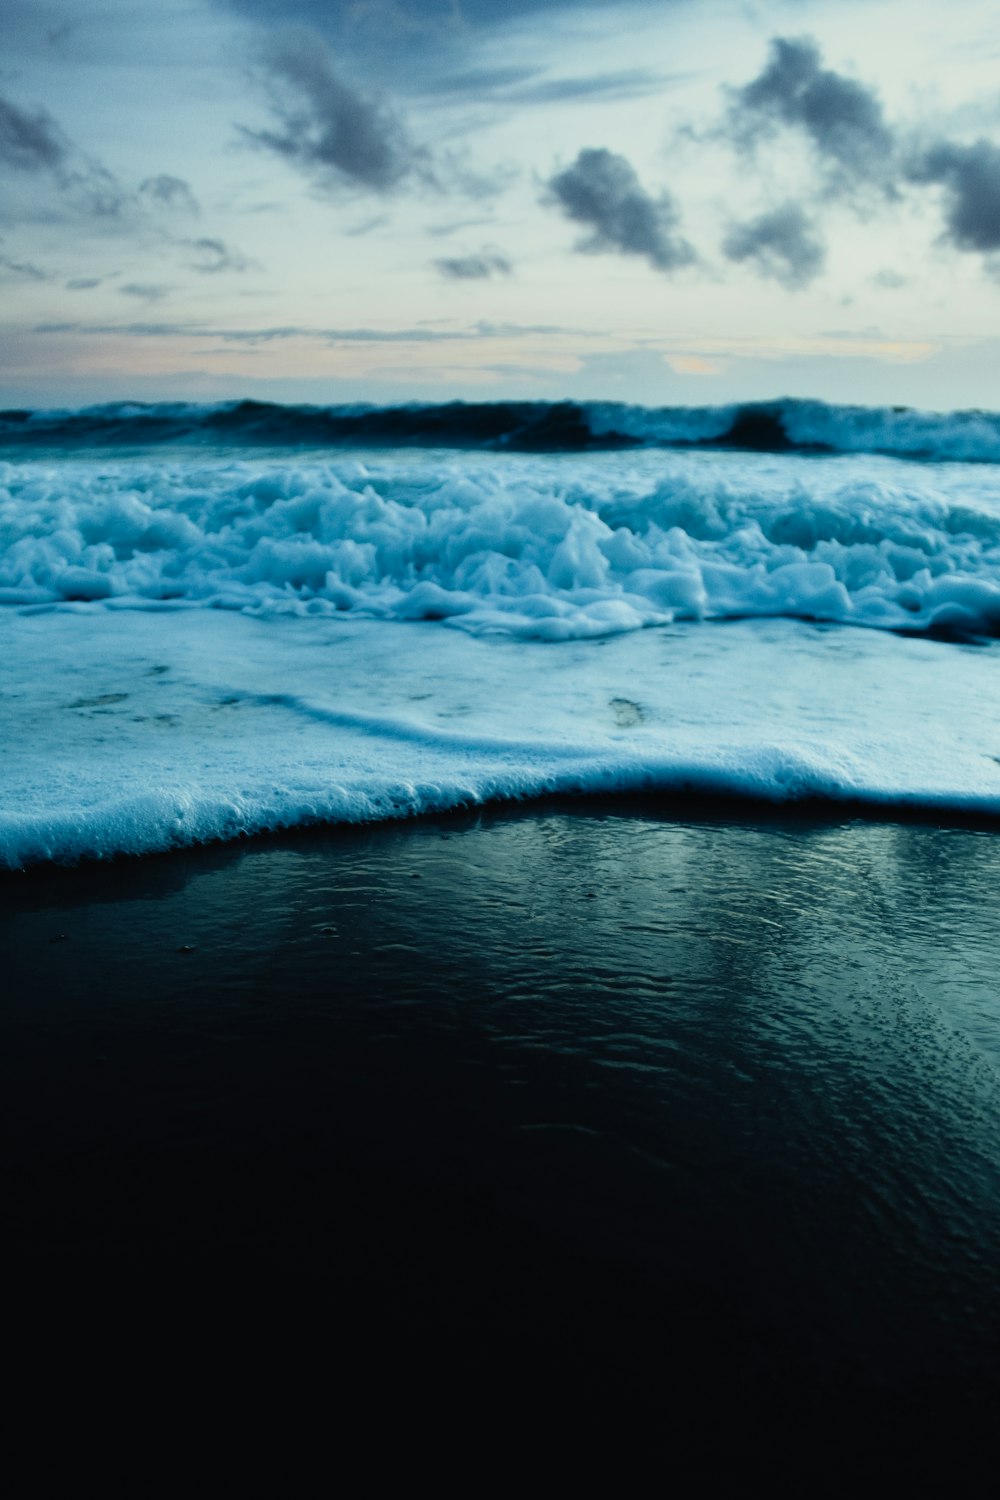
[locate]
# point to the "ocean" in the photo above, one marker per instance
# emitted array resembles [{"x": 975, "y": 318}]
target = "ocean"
[
  {"x": 508, "y": 897},
  {"x": 224, "y": 620}
]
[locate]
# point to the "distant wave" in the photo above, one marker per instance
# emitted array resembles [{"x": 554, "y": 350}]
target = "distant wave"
[{"x": 526, "y": 426}]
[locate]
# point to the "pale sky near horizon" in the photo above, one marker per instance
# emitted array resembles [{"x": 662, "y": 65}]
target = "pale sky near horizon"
[{"x": 675, "y": 201}]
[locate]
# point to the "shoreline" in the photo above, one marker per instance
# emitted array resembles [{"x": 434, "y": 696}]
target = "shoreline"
[
  {"x": 670, "y": 806},
  {"x": 186, "y": 733}
]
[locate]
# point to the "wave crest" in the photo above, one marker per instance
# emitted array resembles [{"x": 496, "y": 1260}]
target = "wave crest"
[
  {"x": 524, "y": 426},
  {"x": 527, "y": 546}
]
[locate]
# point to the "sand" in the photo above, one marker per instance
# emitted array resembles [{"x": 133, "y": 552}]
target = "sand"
[{"x": 577, "y": 1110}]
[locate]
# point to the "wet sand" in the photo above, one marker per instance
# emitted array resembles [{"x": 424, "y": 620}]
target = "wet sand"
[{"x": 574, "y": 1116}]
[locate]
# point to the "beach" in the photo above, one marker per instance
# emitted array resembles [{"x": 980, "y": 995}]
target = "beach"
[
  {"x": 688, "y": 1112},
  {"x": 500, "y": 746},
  {"x": 499, "y": 936}
]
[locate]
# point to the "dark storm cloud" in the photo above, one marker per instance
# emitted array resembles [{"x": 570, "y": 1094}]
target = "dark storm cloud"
[
  {"x": 30, "y": 139},
  {"x": 601, "y": 191},
  {"x": 473, "y": 267},
  {"x": 169, "y": 192},
  {"x": 841, "y": 118},
  {"x": 782, "y": 245},
  {"x": 212, "y": 256},
  {"x": 970, "y": 176},
  {"x": 326, "y": 126}
]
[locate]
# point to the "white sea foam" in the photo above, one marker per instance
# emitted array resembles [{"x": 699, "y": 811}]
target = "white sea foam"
[
  {"x": 128, "y": 734},
  {"x": 201, "y": 647},
  {"x": 967, "y": 436},
  {"x": 531, "y": 546}
]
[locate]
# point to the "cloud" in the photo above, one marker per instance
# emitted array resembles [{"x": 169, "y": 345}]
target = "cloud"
[
  {"x": 481, "y": 82},
  {"x": 212, "y": 256},
  {"x": 83, "y": 283},
  {"x": 844, "y": 124},
  {"x": 23, "y": 269},
  {"x": 418, "y": 335},
  {"x": 145, "y": 291},
  {"x": 67, "y": 184},
  {"x": 33, "y": 143},
  {"x": 407, "y": 17},
  {"x": 782, "y": 245},
  {"x": 634, "y": 83},
  {"x": 841, "y": 118},
  {"x": 29, "y": 141},
  {"x": 325, "y": 126},
  {"x": 462, "y": 51},
  {"x": 601, "y": 190},
  {"x": 94, "y": 191},
  {"x": 473, "y": 267},
  {"x": 169, "y": 192},
  {"x": 528, "y": 85},
  {"x": 970, "y": 176}
]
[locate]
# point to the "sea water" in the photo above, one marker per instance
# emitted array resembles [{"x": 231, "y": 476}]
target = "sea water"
[
  {"x": 222, "y": 620},
  {"x": 654, "y": 1110}
]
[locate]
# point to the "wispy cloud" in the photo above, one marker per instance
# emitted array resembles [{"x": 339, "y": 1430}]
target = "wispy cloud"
[
  {"x": 22, "y": 270},
  {"x": 473, "y": 267},
  {"x": 524, "y": 86},
  {"x": 212, "y": 256},
  {"x": 30, "y": 140},
  {"x": 37, "y": 148},
  {"x": 144, "y": 291},
  {"x": 324, "y": 125},
  {"x": 168, "y": 191},
  {"x": 283, "y": 332}
]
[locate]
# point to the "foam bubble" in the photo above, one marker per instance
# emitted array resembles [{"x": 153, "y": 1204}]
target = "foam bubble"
[
  {"x": 128, "y": 739},
  {"x": 531, "y": 546}
]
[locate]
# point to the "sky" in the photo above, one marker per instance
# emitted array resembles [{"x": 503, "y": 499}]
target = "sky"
[{"x": 658, "y": 201}]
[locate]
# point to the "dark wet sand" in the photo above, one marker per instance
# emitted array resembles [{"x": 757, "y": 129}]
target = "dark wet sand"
[{"x": 578, "y": 1120}]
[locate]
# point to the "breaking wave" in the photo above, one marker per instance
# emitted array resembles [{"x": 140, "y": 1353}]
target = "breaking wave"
[
  {"x": 525, "y": 426},
  {"x": 536, "y": 546}
]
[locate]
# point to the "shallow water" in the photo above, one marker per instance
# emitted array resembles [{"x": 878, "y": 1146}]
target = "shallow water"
[
  {"x": 662, "y": 1117},
  {"x": 135, "y": 733},
  {"x": 626, "y": 1109},
  {"x": 204, "y": 643}
]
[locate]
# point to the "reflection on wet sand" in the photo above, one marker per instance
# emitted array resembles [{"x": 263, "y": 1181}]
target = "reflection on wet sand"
[{"x": 727, "y": 1088}]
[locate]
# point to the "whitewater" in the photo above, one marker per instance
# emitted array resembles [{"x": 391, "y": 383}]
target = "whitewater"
[{"x": 227, "y": 619}]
